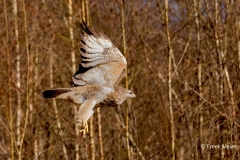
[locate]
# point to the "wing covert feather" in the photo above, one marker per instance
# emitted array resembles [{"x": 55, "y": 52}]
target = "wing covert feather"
[{"x": 98, "y": 52}]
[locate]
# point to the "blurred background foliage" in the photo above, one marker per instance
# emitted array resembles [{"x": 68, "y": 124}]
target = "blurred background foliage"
[{"x": 205, "y": 59}]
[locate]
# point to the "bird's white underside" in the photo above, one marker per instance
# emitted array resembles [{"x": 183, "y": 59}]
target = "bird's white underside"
[{"x": 105, "y": 63}]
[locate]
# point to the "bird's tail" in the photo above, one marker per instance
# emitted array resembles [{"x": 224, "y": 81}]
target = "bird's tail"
[{"x": 52, "y": 93}]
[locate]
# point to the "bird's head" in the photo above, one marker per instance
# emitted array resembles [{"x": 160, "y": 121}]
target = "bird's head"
[{"x": 130, "y": 94}]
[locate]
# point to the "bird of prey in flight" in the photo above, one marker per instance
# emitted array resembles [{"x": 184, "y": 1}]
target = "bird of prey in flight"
[{"x": 96, "y": 81}]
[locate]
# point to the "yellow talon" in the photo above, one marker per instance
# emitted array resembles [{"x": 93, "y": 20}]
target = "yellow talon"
[{"x": 84, "y": 128}]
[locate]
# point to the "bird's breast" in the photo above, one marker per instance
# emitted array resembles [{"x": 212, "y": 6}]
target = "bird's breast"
[{"x": 102, "y": 94}]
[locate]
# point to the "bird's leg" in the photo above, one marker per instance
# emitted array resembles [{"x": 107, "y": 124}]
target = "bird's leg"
[{"x": 84, "y": 128}]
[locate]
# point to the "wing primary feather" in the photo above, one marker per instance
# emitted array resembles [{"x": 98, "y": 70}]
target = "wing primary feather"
[
  {"x": 82, "y": 69},
  {"x": 91, "y": 64},
  {"x": 88, "y": 60},
  {"x": 83, "y": 42},
  {"x": 90, "y": 51},
  {"x": 83, "y": 50},
  {"x": 84, "y": 62},
  {"x": 86, "y": 29},
  {"x": 82, "y": 57},
  {"x": 92, "y": 55}
]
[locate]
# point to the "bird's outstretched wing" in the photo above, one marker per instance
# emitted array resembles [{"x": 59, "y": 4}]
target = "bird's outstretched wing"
[
  {"x": 121, "y": 76},
  {"x": 102, "y": 62}
]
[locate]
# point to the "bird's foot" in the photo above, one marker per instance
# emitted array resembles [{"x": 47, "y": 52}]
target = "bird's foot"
[{"x": 83, "y": 128}]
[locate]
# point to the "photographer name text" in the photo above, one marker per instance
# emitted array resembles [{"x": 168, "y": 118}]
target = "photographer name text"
[{"x": 219, "y": 146}]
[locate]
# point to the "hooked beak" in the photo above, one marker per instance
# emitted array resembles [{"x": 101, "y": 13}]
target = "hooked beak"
[{"x": 133, "y": 95}]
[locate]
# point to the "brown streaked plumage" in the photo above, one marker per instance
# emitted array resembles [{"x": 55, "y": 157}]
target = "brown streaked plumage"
[
  {"x": 98, "y": 76},
  {"x": 116, "y": 98},
  {"x": 120, "y": 94}
]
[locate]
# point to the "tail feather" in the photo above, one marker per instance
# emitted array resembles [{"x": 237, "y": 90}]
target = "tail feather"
[{"x": 52, "y": 93}]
